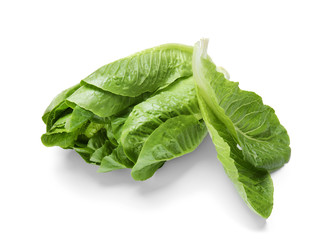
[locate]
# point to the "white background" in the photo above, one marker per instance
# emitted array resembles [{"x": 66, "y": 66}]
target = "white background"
[{"x": 274, "y": 48}]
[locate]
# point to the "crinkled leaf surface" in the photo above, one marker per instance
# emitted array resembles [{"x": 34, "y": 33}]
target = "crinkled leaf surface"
[
  {"x": 145, "y": 71},
  {"x": 103, "y": 151},
  {"x": 102, "y": 103},
  {"x": 247, "y": 134},
  {"x": 177, "y": 99},
  {"x": 254, "y": 186},
  {"x": 175, "y": 137},
  {"x": 59, "y": 99},
  {"x": 255, "y": 126},
  {"x": 58, "y": 134},
  {"x": 116, "y": 160},
  {"x": 95, "y": 148},
  {"x": 78, "y": 118},
  {"x": 58, "y": 112},
  {"x": 118, "y": 121},
  {"x": 142, "y": 110}
]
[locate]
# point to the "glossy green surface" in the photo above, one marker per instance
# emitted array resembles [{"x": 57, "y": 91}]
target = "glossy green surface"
[{"x": 249, "y": 139}]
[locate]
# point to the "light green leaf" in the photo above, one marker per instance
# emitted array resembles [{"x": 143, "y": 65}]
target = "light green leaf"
[
  {"x": 175, "y": 137},
  {"x": 58, "y": 112},
  {"x": 100, "y": 102},
  {"x": 58, "y": 134},
  {"x": 60, "y": 124},
  {"x": 145, "y": 71},
  {"x": 78, "y": 118},
  {"x": 177, "y": 99},
  {"x": 254, "y": 186},
  {"x": 118, "y": 121},
  {"x": 95, "y": 147},
  {"x": 255, "y": 126},
  {"x": 93, "y": 128},
  {"x": 62, "y": 139},
  {"x": 110, "y": 135},
  {"x": 247, "y": 134},
  {"x": 58, "y": 100},
  {"x": 105, "y": 150}
]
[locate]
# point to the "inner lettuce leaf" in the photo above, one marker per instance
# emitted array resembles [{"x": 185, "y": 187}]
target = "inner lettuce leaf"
[
  {"x": 78, "y": 118},
  {"x": 94, "y": 148},
  {"x": 116, "y": 160}
]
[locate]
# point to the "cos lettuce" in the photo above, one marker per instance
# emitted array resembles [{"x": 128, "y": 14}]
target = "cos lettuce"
[{"x": 156, "y": 105}]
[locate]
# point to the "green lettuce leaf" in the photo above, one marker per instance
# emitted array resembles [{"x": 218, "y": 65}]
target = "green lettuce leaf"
[
  {"x": 247, "y": 134},
  {"x": 177, "y": 99},
  {"x": 58, "y": 135},
  {"x": 118, "y": 121},
  {"x": 254, "y": 186},
  {"x": 175, "y": 137},
  {"x": 103, "y": 151},
  {"x": 116, "y": 160},
  {"x": 56, "y": 113},
  {"x": 58, "y": 100},
  {"x": 100, "y": 102},
  {"x": 78, "y": 118},
  {"x": 95, "y": 148},
  {"x": 145, "y": 71},
  {"x": 255, "y": 126}
]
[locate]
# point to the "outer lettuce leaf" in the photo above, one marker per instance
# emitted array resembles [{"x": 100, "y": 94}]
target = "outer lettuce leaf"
[
  {"x": 145, "y": 71},
  {"x": 175, "y": 137},
  {"x": 102, "y": 103},
  {"x": 76, "y": 130},
  {"x": 58, "y": 134},
  {"x": 58, "y": 112},
  {"x": 255, "y": 126},
  {"x": 247, "y": 134},
  {"x": 177, "y": 99},
  {"x": 254, "y": 186},
  {"x": 58, "y": 100},
  {"x": 61, "y": 139}
]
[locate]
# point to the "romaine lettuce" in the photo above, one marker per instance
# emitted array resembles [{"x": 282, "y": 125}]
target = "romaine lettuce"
[{"x": 156, "y": 105}]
